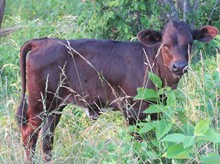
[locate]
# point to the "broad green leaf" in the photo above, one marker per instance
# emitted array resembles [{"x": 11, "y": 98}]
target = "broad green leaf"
[
  {"x": 175, "y": 137},
  {"x": 188, "y": 141},
  {"x": 151, "y": 155},
  {"x": 155, "y": 79},
  {"x": 132, "y": 128},
  {"x": 143, "y": 6},
  {"x": 126, "y": 29},
  {"x": 211, "y": 135},
  {"x": 154, "y": 123},
  {"x": 171, "y": 98},
  {"x": 201, "y": 127},
  {"x": 154, "y": 109},
  {"x": 188, "y": 129},
  {"x": 200, "y": 142},
  {"x": 146, "y": 127},
  {"x": 161, "y": 91},
  {"x": 210, "y": 159},
  {"x": 162, "y": 128},
  {"x": 177, "y": 152},
  {"x": 155, "y": 143},
  {"x": 146, "y": 94}
]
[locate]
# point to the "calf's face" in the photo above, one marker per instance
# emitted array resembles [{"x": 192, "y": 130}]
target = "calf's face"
[{"x": 176, "y": 40}]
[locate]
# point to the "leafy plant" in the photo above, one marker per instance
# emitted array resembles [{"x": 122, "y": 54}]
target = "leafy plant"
[{"x": 173, "y": 136}]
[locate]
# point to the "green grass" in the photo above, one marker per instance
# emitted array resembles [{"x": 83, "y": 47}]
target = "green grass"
[{"x": 107, "y": 140}]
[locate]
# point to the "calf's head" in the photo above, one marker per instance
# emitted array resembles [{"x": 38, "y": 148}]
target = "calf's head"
[{"x": 176, "y": 41}]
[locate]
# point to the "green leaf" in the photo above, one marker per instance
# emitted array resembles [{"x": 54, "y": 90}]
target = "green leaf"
[
  {"x": 188, "y": 141},
  {"x": 210, "y": 159},
  {"x": 146, "y": 127},
  {"x": 154, "y": 109},
  {"x": 211, "y": 135},
  {"x": 151, "y": 155},
  {"x": 171, "y": 98},
  {"x": 155, "y": 79},
  {"x": 175, "y": 137},
  {"x": 188, "y": 129},
  {"x": 126, "y": 29},
  {"x": 201, "y": 127},
  {"x": 142, "y": 6},
  {"x": 177, "y": 152},
  {"x": 146, "y": 94},
  {"x": 162, "y": 128},
  {"x": 136, "y": 6}
]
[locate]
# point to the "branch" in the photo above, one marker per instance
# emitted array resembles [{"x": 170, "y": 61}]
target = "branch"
[
  {"x": 216, "y": 2},
  {"x": 7, "y": 31},
  {"x": 185, "y": 10},
  {"x": 174, "y": 14}
]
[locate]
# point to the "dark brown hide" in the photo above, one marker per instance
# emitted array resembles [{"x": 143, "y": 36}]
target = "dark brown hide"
[{"x": 96, "y": 74}]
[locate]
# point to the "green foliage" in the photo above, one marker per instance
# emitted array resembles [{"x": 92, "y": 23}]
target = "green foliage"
[
  {"x": 155, "y": 79},
  {"x": 146, "y": 93},
  {"x": 184, "y": 139},
  {"x": 99, "y": 18},
  {"x": 201, "y": 127},
  {"x": 207, "y": 12}
]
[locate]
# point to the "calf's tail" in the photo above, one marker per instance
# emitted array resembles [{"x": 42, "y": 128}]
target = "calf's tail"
[{"x": 21, "y": 115}]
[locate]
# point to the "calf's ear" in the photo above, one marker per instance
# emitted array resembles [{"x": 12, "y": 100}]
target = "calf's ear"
[
  {"x": 149, "y": 37},
  {"x": 205, "y": 33}
]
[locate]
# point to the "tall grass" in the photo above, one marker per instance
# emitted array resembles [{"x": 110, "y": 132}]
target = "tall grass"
[{"x": 10, "y": 147}]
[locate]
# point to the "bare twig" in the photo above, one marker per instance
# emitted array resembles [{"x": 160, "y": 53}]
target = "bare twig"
[
  {"x": 174, "y": 14},
  {"x": 214, "y": 7},
  {"x": 7, "y": 31},
  {"x": 185, "y": 10}
]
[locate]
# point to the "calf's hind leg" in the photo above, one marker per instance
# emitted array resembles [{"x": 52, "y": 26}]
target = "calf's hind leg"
[
  {"x": 48, "y": 133},
  {"x": 30, "y": 131}
]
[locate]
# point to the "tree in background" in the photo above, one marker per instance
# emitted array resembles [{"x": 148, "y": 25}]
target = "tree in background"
[
  {"x": 2, "y": 9},
  {"x": 197, "y": 10},
  {"x": 122, "y": 20}
]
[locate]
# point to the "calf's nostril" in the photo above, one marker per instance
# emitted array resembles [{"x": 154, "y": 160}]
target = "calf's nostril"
[
  {"x": 174, "y": 67},
  {"x": 179, "y": 68}
]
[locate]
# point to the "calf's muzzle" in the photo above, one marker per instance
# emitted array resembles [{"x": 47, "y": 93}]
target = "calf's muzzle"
[{"x": 179, "y": 68}]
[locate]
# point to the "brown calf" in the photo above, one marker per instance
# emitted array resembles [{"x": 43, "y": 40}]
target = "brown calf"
[{"x": 95, "y": 74}]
